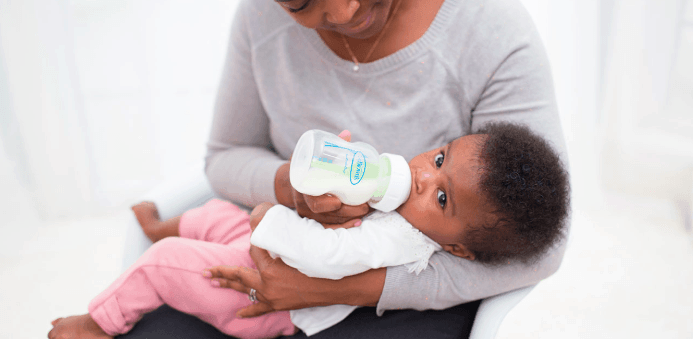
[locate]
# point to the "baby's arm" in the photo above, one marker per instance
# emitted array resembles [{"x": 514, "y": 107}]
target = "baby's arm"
[{"x": 330, "y": 253}]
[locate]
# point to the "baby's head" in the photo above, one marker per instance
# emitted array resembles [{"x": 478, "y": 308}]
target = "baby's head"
[{"x": 496, "y": 196}]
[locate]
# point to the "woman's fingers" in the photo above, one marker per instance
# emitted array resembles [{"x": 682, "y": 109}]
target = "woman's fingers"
[
  {"x": 241, "y": 279},
  {"x": 254, "y": 310},
  {"x": 345, "y": 135},
  {"x": 231, "y": 284},
  {"x": 322, "y": 204},
  {"x": 348, "y": 224},
  {"x": 328, "y": 209}
]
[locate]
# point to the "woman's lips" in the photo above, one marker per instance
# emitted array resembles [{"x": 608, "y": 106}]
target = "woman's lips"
[{"x": 360, "y": 27}]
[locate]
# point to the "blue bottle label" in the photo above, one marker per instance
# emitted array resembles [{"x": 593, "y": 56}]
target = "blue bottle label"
[{"x": 358, "y": 168}]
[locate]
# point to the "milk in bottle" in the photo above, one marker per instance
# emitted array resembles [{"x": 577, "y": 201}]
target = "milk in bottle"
[{"x": 354, "y": 172}]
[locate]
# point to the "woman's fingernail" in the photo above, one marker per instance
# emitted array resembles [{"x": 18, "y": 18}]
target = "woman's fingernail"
[
  {"x": 207, "y": 274},
  {"x": 358, "y": 223},
  {"x": 345, "y": 133},
  {"x": 216, "y": 283}
]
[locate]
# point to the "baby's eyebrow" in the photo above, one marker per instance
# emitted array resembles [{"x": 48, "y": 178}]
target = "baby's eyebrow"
[{"x": 451, "y": 188}]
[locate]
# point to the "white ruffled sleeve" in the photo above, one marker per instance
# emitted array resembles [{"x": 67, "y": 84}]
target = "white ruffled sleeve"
[{"x": 383, "y": 239}]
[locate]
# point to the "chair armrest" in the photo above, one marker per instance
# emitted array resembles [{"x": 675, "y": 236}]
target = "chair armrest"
[
  {"x": 493, "y": 310},
  {"x": 173, "y": 196}
]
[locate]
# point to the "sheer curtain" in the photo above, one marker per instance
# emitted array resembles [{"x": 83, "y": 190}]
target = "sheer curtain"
[
  {"x": 42, "y": 134},
  {"x": 101, "y": 99},
  {"x": 573, "y": 32},
  {"x": 648, "y": 107}
]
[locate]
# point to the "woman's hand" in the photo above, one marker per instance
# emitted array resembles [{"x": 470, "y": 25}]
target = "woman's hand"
[
  {"x": 275, "y": 282},
  {"x": 326, "y": 209},
  {"x": 260, "y": 210},
  {"x": 280, "y": 287},
  {"x": 277, "y": 275}
]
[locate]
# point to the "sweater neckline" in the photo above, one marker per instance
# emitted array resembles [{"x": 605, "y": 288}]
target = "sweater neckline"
[{"x": 434, "y": 31}]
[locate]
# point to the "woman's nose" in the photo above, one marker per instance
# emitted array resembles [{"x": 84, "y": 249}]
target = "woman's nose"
[{"x": 341, "y": 11}]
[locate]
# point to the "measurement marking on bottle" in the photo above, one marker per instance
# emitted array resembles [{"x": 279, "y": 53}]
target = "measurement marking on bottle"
[{"x": 354, "y": 176}]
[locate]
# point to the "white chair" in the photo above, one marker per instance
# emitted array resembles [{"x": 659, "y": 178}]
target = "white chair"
[{"x": 190, "y": 189}]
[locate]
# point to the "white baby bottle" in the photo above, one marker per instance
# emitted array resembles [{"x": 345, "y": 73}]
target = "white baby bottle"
[{"x": 352, "y": 171}]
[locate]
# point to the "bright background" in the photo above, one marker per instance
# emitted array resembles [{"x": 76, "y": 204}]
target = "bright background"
[{"x": 101, "y": 100}]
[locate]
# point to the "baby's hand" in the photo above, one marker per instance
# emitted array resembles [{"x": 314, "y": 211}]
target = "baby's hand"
[{"x": 258, "y": 213}]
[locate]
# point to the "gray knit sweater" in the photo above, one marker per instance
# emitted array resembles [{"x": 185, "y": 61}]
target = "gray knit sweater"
[{"x": 479, "y": 61}]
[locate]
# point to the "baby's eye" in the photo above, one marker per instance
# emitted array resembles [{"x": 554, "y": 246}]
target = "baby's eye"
[
  {"x": 442, "y": 198},
  {"x": 439, "y": 159}
]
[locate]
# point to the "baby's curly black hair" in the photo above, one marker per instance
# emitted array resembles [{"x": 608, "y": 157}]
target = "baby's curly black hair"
[{"x": 527, "y": 188}]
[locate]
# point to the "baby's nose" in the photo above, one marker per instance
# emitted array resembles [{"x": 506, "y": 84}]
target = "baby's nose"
[{"x": 422, "y": 178}]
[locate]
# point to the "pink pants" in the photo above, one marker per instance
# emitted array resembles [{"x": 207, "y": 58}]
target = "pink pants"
[{"x": 170, "y": 272}]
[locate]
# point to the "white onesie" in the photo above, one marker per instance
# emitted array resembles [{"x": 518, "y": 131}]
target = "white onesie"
[{"x": 383, "y": 239}]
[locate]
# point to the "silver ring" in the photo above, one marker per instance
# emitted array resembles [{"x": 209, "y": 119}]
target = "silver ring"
[{"x": 252, "y": 295}]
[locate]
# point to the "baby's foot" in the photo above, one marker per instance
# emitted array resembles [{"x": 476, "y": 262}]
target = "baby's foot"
[
  {"x": 77, "y": 327},
  {"x": 148, "y": 217}
]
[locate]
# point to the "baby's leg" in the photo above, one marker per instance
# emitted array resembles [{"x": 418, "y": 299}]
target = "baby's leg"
[
  {"x": 217, "y": 221},
  {"x": 170, "y": 272}
]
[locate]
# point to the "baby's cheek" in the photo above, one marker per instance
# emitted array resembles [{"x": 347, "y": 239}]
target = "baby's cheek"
[{"x": 412, "y": 210}]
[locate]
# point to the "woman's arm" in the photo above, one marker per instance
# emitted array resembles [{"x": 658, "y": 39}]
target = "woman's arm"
[{"x": 240, "y": 162}]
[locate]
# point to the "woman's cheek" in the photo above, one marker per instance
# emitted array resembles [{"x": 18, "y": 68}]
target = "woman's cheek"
[{"x": 307, "y": 20}]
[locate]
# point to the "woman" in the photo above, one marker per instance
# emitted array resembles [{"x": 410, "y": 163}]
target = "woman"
[{"x": 404, "y": 76}]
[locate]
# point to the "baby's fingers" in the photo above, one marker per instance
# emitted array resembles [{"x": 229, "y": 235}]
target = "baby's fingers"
[{"x": 254, "y": 310}]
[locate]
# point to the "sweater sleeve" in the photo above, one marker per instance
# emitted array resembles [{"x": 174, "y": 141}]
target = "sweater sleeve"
[
  {"x": 315, "y": 251},
  {"x": 240, "y": 163},
  {"x": 516, "y": 85}
]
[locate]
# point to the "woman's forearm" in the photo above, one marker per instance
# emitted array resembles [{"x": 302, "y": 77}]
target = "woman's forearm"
[
  {"x": 282, "y": 186},
  {"x": 359, "y": 290},
  {"x": 362, "y": 289}
]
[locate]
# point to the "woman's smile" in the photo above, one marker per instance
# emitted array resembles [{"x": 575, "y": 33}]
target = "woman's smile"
[{"x": 360, "y": 26}]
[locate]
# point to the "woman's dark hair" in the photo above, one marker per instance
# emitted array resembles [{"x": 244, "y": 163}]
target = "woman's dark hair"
[{"x": 527, "y": 188}]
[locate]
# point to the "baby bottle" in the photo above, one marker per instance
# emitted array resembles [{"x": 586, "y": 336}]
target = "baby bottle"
[{"x": 352, "y": 171}]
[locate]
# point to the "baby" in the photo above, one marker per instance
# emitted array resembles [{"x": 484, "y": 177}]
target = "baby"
[{"x": 496, "y": 196}]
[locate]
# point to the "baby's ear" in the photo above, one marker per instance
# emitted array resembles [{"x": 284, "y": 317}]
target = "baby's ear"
[{"x": 459, "y": 250}]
